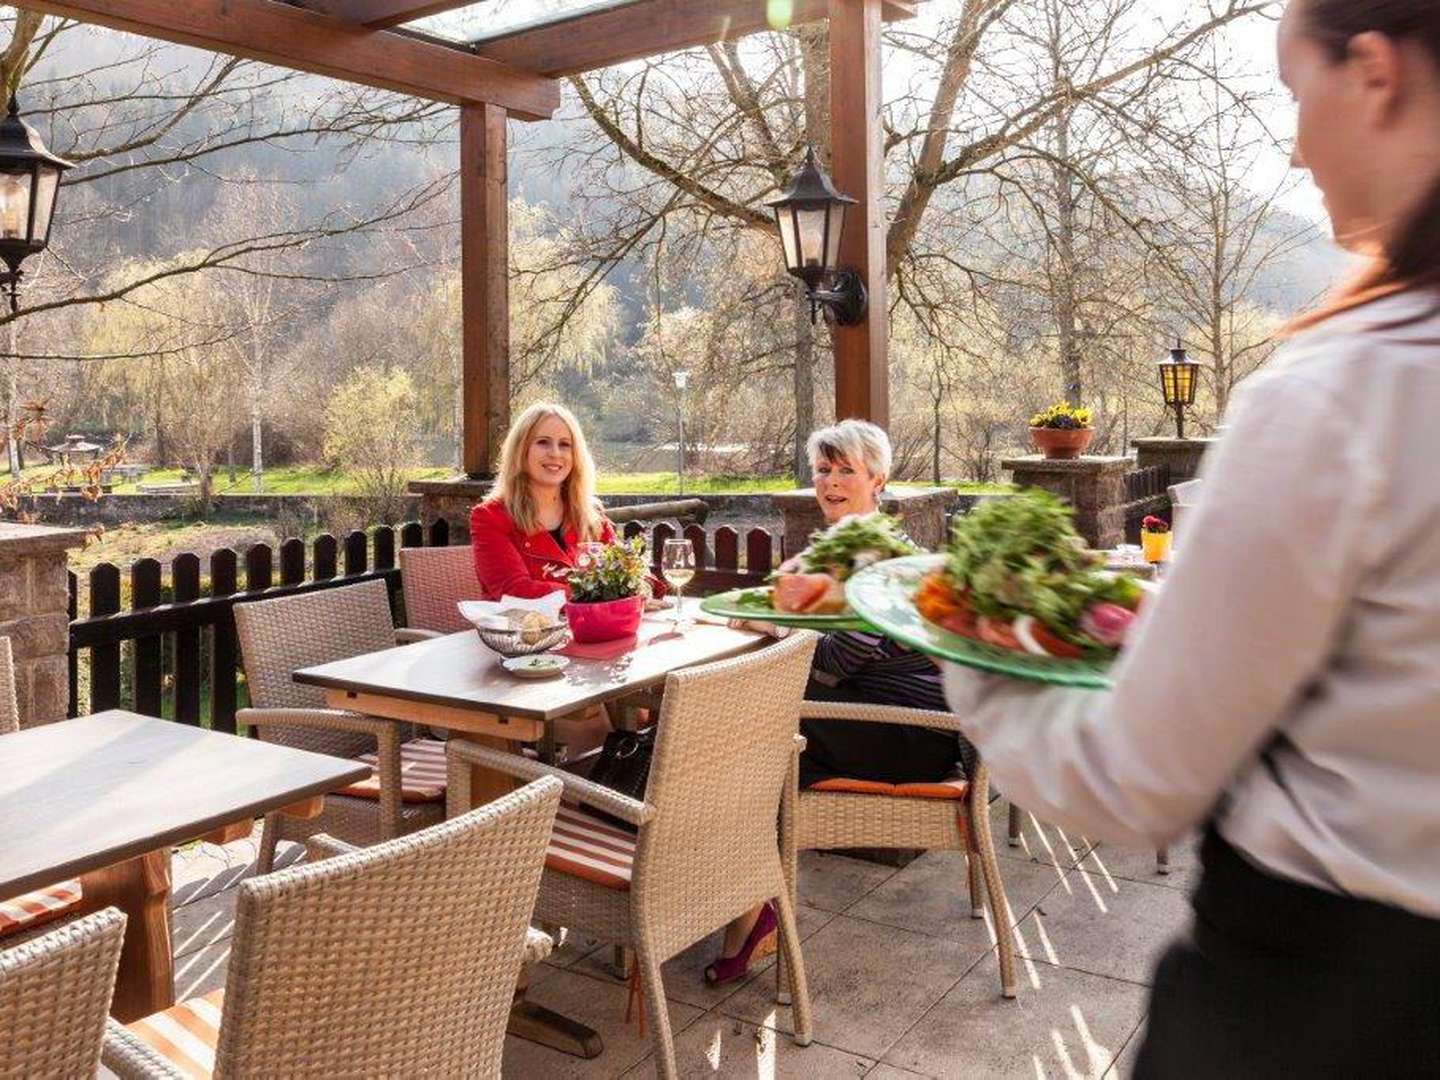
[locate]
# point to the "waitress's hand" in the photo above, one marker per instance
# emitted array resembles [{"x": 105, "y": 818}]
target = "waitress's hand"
[{"x": 756, "y": 627}]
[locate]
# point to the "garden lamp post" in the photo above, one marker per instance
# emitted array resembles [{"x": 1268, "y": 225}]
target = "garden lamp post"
[
  {"x": 811, "y": 219},
  {"x": 29, "y": 181},
  {"x": 1179, "y": 378},
  {"x": 682, "y": 380}
]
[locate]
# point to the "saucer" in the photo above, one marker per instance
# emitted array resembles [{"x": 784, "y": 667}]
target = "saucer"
[{"x": 538, "y": 666}]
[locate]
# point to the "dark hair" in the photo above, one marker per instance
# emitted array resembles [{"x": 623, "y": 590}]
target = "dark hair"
[{"x": 1412, "y": 261}]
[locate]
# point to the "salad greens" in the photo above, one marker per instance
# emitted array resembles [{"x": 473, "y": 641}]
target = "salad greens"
[
  {"x": 1022, "y": 556},
  {"x": 853, "y": 543}
]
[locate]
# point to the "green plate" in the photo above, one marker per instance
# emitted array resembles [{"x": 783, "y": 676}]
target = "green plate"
[
  {"x": 884, "y": 596},
  {"x": 756, "y": 606}
]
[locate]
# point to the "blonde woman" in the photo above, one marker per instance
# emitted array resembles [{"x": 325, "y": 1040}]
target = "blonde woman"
[{"x": 525, "y": 534}]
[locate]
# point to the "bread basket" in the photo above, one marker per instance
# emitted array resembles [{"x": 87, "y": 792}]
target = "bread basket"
[{"x": 509, "y": 643}]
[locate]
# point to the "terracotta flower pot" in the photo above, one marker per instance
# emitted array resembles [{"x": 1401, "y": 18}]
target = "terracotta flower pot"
[
  {"x": 1060, "y": 444},
  {"x": 608, "y": 620}
]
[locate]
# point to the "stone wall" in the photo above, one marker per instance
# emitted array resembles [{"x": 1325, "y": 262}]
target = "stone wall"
[
  {"x": 1094, "y": 486},
  {"x": 34, "y": 615},
  {"x": 924, "y": 514}
]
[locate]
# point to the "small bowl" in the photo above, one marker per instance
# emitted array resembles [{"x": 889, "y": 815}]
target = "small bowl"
[{"x": 511, "y": 643}]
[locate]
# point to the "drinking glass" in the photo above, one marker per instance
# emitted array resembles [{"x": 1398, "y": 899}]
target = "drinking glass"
[{"x": 677, "y": 564}]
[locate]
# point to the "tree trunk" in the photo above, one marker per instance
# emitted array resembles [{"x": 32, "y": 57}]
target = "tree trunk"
[
  {"x": 12, "y": 408},
  {"x": 814, "y": 41},
  {"x": 804, "y": 385},
  {"x": 1066, "y": 304},
  {"x": 257, "y": 444},
  {"x": 935, "y": 441}
]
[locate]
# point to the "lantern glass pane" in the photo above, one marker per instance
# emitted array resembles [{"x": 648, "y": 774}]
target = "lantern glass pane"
[
  {"x": 1168, "y": 383},
  {"x": 1185, "y": 388},
  {"x": 811, "y": 225},
  {"x": 837, "y": 229},
  {"x": 15, "y": 204},
  {"x": 785, "y": 221},
  {"x": 45, "y": 202}
]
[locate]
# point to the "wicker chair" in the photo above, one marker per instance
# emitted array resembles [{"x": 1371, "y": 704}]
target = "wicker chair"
[
  {"x": 24, "y": 915},
  {"x": 54, "y": 996},
  {"x": 708, "y": 846},
  {"x": 277, "y": 637},
  {"x": 956, "y": 819},
  {"x": 434, "y": 580},
  {"x": 396, "y": 960}
]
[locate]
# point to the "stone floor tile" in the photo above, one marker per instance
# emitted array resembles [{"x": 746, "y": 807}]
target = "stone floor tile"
[
  {"x": 1124, "y": 1066},
  {"x": 868, "y": 984},
  {"x": 932, "y": 896},
  {"x": 1113, "y": 927},
  {"x": 1072, "y": 1024},
  {"x": 201, "y": 923},
  {"x": 833, "y": 882},
  {"x": 574, "y": 947},
  {"x": 226, "y": 866},
  {"x": 890, "y": 1072},
  {"x": 599, "y": 1004},
  {"x": 201, "y": 971},
  {"x": 721, "y": 1046},
  {"x": 1039, "y": 841},
  {"x": 1118, "y": 862}
]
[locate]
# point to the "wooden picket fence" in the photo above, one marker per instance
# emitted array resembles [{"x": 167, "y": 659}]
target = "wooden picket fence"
[{"x": 176, "y": 654}]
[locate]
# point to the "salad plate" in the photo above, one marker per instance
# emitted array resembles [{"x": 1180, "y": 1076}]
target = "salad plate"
[
  {"x": 758, "y": 605},
  {"x": 539, "y": 666},
  {"x": 884, "y": 596}
]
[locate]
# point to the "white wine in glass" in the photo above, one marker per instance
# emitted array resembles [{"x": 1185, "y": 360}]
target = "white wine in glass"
[{"x": 677, "y": 564}]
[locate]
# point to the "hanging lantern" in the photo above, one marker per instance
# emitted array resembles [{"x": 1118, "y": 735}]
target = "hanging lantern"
[
  {"x": 29, "y": 183},
  {"x": 811, "y": 219}
]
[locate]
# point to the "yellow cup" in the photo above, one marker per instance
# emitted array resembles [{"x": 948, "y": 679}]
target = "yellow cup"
[{"x": 1157, "y": 546}]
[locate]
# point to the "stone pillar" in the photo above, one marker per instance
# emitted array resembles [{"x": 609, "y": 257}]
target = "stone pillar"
[
  {"x": 452, "y": 500},
  {"x": 1094, "y": 486},
  {"x": 923, "y": 514},
  {"x": 35, "y": 616},
  {"x": 1182, "y": 455}
]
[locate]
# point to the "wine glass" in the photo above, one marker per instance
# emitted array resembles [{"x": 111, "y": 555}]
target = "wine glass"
[{"x": 677, "y": 564}]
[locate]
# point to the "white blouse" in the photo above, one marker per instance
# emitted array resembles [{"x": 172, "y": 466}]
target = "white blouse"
[{"x": 1287, "y": 679}]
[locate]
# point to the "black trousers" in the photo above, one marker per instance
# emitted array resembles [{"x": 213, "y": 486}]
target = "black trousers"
[
  {"x": 1277, "y": 979},
  {"x": 887, "y": 753}
]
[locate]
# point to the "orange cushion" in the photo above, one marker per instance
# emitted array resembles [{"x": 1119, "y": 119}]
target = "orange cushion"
[
  {"x": 948, "y": 789},
  {"x": 586, "y": 847},
  {"x": 39, "y": 907},
  {"x": 422, "y": 773},
  {"x": 185, "y": 1035}
]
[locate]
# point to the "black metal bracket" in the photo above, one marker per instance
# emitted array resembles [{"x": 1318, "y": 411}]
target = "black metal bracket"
[{"x": 846, "y": 301}]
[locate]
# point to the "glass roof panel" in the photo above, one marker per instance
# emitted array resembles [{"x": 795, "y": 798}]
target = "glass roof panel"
[{"x": 488, "y": 19}]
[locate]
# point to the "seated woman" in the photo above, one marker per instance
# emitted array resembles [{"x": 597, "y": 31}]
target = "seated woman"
[
  {"x": 851, "y": 463},
  {"x": 526, "y": 533}
]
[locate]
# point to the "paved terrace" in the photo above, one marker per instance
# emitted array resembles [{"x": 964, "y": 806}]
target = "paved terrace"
[{"x": 904, "y": 982}]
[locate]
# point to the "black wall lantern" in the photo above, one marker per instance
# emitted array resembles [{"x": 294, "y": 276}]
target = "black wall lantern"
[
  {"x": 29, "y": 181},
  {"x": 1179, "y": 378},
  {"x": 811, "y": 218}
]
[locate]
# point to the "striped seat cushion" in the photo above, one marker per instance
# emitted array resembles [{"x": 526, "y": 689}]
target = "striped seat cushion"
[
  {"x": 586, "y": 847},
  {"x": 947, "y": 789},
  {"x": 422, "y": 773},
  {"x": 185, "y": 1035},
  {"x": 39, "y": 907}
]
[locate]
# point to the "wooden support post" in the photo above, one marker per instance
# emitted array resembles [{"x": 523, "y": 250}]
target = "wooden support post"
[
  {"x": 485, "y": 286},
  {"x": 862, "y": 371}
]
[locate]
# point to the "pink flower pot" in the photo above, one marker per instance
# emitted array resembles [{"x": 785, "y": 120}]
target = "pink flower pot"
[{"x": 606, "y": 621}]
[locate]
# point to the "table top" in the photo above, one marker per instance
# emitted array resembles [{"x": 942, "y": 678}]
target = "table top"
[
  {"x": 87, "y": 793},
  {"x": 459, "y": 671}
]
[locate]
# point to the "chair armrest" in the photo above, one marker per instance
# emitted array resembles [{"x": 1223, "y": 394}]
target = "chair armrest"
[
  {"x": 408, "y": 636},
  {"x": 322, "y": 719},
  {"x": 461, "y": 754},
  {"x": 130, "y": 1059},
  {"x": 878, "y": 714},
  {"x": 323, "y": 846}
]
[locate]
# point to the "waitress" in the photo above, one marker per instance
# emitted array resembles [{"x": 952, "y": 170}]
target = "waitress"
[
  {"x": 526, "y": 533},
  {"x": 1285, "y": 688}
]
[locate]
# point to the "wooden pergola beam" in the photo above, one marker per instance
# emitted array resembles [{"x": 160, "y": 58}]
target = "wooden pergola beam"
[
  {"x": 382, "y": 14},
  {"x": 308, "y": 41},
  {"x": 599, "y": 39}
]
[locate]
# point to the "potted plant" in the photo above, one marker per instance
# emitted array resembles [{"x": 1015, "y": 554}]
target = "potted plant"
[
  {"x": 608, "y": 594},
  {"x": 1062, "y": 432},
  {"x": 1155, "y": 538}
]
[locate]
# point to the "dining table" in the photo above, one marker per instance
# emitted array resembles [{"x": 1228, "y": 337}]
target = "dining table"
[
  {"x": 457, "y": 684},
  {"x": 104, "y": 798}
]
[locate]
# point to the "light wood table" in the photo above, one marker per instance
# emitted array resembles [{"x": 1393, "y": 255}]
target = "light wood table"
[
  {"x": 104, "y": 798},
  {"x": 456, "y": 683}
]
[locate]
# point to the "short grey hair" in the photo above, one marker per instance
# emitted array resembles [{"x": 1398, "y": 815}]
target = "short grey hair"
[{"x": 857, "y": 441}]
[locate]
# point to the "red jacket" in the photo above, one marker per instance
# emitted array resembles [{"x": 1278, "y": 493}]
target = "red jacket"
[{"x": 510, "y": 563}]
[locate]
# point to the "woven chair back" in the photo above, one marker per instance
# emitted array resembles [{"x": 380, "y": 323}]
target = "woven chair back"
[
  {"x": 398, "y": 960},
  {"x": 726, "y": 739},
  {"x": 9, "y": 707},
  {"x": 434, "y": 580}
]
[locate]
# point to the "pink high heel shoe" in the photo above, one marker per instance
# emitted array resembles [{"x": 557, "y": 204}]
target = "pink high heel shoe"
[{"x": 760, "y": 944}]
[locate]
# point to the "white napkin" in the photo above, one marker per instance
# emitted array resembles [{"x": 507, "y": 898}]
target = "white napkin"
[{"x": 486, "y": 613}]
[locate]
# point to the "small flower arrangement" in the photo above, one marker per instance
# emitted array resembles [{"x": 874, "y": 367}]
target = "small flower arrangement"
[
  {"x": 1063, "y": 417},
  {"x": 1155, "y": 526},
  {"x": 617, "y": 571}
]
